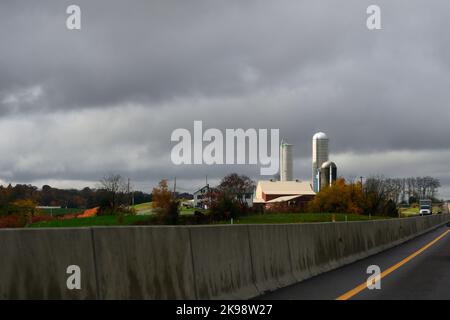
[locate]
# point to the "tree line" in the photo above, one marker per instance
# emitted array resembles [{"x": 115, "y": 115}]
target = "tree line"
[
  {"x": 376, "y": 196},
  {"x": 407, "y": 190},
  {"x": 66, "y": 198}
]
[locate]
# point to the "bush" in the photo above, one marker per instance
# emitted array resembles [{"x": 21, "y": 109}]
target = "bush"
[
  {"x": 390, "y": 209},
  {"x": 225, "y": 207},
  {"x": 21, "y": 220},
  {"x": 171, "y": 214},
  {"x": 283, "y": 207},
  {"x": 121, "y": 210},
  {"x": 12, "y": 221},
  {"x": 41, "y": 218}
]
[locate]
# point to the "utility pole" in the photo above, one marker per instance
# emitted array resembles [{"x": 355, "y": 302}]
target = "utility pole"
[
  {"x": 174, "y": 186},
  {"x": 208, "y": 193},
  {"x": 128, "y": 191}
]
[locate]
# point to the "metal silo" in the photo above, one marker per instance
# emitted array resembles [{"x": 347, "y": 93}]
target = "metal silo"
[
  {"x": 328, "y": 174},
  {"x": 319, "y": 157},
  {"x": 286, "y": 162}
]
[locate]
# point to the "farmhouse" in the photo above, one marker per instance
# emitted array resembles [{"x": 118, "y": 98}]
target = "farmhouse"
[{"x": 201, "y": 199}]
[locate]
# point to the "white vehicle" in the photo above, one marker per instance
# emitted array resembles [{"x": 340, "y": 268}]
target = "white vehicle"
[{"x": 425, "y": 207}]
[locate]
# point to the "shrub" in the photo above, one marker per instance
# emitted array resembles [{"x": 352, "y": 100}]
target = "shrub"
[
  {"x": 12, "y": 221},
  {"x": 21, "y": 220},
  {"x": 225, "y": 207},
  {"x": 283, "y": 207},
  {"x": 390, "y": 209},
  {"x": 41, "y": 218},
  {"x": 171, "y": 213}
]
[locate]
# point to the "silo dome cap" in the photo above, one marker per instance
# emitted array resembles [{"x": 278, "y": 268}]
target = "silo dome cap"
[
  {"x": 328, "y": 164},
  {"x": 320, "y": 136}
]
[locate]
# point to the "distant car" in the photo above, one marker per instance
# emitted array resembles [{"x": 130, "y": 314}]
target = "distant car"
[{"x": 425, "y": 207}]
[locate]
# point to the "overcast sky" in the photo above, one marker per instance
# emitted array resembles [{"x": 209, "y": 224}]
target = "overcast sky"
[{"x": 76, "y": 105}]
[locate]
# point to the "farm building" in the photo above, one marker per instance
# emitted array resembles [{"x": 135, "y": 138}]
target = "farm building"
[{"x": 289, "y": 192}]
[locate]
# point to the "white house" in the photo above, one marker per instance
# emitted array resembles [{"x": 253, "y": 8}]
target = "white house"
[{"x": 200, "y": 197}]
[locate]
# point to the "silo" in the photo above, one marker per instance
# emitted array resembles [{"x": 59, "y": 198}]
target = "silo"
[
  {"x": 319, "y": 157},
  {"x": 328, "y": 174},
  {"x": 286, "y": 162}
]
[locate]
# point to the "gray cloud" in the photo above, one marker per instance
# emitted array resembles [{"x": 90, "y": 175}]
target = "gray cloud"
[{"x": 77, "y": 104}]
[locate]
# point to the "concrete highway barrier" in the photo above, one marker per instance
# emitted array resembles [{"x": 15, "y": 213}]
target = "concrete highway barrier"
[
  {"x": 222, "y": 262},
  {"x": 187, "y": 262},
  {"x": 314, "y": 248},
  {"x": 143, "y": 263},
  {"x": 34, "y": 263},
  {"x": 317, "y": 248},
  {"x": 271, "y": 258}
]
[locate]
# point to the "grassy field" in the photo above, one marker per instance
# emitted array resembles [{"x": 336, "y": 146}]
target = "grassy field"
[
  {"x": 143, "y": 206},
  {"x": 87, "y": 222},
  {"x": 61, "y": 211},
  {"x": 254, "y": 219},
  {"x": 300, "y": 218},
  {"x": 189, "y": 210},
  {"x": 146, "y": 209},
  {"x": 408, "y": 212}
]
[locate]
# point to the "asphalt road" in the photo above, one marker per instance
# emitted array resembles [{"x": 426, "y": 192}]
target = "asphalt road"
[{"x": 425, "y": 275}]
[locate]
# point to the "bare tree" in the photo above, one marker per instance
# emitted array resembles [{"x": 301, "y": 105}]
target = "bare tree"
[
  {"x": 115, "y": 188},
  {"x": 406, "y": 189},
  {"x": 375, "y": 191}
]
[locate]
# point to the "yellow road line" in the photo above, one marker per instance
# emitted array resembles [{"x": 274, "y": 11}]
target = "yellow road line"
[{"x": 363, "y": 286}]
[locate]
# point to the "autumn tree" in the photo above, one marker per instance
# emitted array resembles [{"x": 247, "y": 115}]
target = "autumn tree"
[
  {"x": 340, "y": 197},
  {"x": 161, "y": 196},
  {"x": 374, "y": 197},
  {"x": 26, "y": 208},
  {"x": 165, "y": 203}
]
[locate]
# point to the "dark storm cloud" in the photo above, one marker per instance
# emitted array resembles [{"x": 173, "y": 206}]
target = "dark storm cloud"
[
  {"x": 160, "y": 49},
  {"x": 77, "y": 104}
]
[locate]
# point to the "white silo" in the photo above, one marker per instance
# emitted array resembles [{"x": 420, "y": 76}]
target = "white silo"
[
  {"x": 286, "y": 162},
  {"x": 319, "y": 157}
]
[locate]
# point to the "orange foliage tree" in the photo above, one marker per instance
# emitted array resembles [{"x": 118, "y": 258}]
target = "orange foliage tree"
[
  {"x": 340, "y": 197},
  {"x": 26, "y": 208},
  {"x": 165, "y": 204},
  {"x": 161, "y": 196}
]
